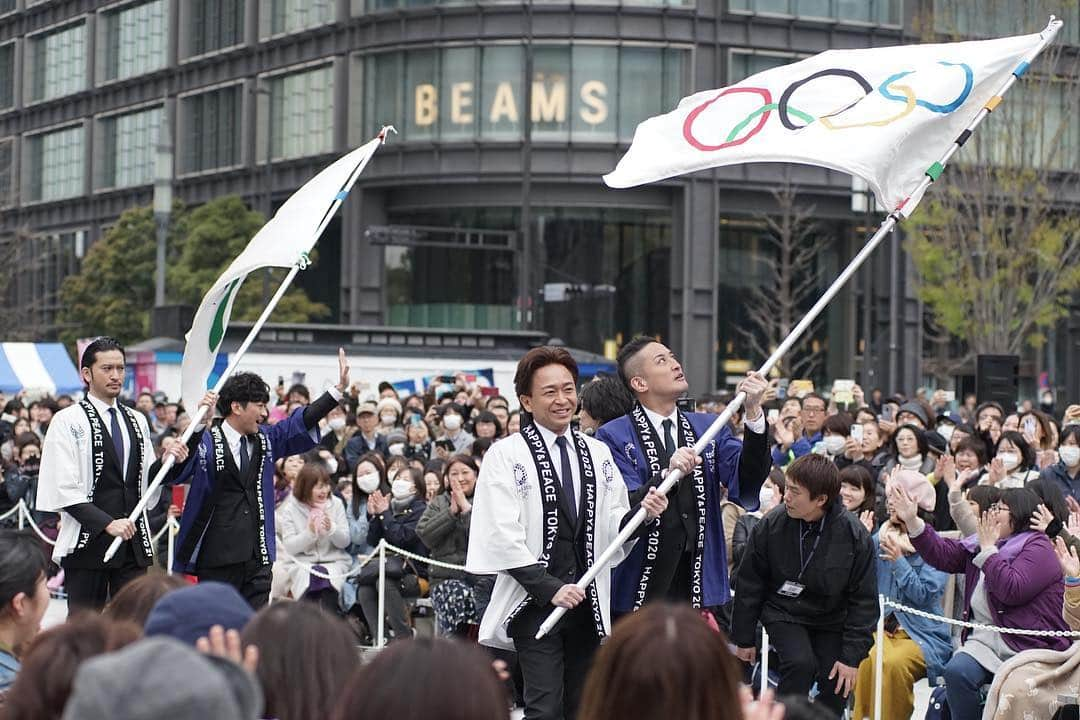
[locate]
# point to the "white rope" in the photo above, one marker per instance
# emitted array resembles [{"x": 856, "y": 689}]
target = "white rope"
[
  {"x": 157, "y": 536},
  {"x": 355, "y": 570},
  {"x": 421, "y": 558},
  {"x": 33, "y": 525},
  {"x": 978, "y": 626},
  {"x": 12, "y": 511}
]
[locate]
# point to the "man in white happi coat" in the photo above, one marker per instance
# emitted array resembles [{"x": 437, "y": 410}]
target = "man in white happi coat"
[{"x": 548, "y": 501}]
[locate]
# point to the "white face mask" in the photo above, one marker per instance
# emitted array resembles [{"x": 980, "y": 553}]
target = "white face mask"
[
  {"x": 451, "y": 421},
  {"x": 336, "y": 423},
  {"x": 397, "y": 449},
  {"x": 388, "y": 418},
  {"x": 765, "y": 496},
  {"x": 1010, "y": 460},
  {"x": 368, "y": 482},
  {"x": 1070, "y": 455},
  {"x": 834, "y": 444},
  {"x": 331, "y": 464},
  {"x": 946, "y": 431},
  {"x": 912, "y": 463},
  {"x": 401, "y": 489}
]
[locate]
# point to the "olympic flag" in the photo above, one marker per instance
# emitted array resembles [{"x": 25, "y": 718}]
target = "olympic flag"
[{"x": 883, "y": 114}]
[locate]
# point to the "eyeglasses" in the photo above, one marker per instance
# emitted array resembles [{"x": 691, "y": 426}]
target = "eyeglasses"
[
  {"x": 814, "y": 409},
  {"x": 999, "y": 507}
]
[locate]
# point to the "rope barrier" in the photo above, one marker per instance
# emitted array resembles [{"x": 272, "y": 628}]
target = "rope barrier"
[
  {"x": 33, "y": 525},
  {"x": 356, "y": 569},
  {"x": 978, "y": 626},
  {"x": 12, "y": 511}
]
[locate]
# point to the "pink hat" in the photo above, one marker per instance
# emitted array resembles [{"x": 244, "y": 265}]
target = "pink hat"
[{"x": 917, "y": 486}]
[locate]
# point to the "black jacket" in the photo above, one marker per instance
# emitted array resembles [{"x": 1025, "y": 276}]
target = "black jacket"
[{"x": 840, "y": 580}]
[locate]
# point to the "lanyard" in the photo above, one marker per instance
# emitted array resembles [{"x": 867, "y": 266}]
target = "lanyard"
[{"x": 802, "y": 539}]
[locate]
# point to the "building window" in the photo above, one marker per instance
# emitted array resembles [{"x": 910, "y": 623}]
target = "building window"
[
  {"x": 7, "y": 75},
  {"x": 744, "y": 64},
  {"x": 879, "y": 12},
  {"x": 57, "y": 63},
  {"x": 996, "y": 18},
  {"x": 460, "y": 93},
  {"x": 129, "y": 142},
  {"x": 377, "y": 5},
  {"x": 211, "y": 123},
  {"x": 7, "y": 171},
  {"x": 7, "y": 6},
  {"x": 44, "y": 262},
  {"x": 301, "y": 114},
  {"x": 288, "y": 16},
  {"x": 215, "y": 25},
  {"x": 136, "y": 40},
  {"x": 55, "y": 164}
]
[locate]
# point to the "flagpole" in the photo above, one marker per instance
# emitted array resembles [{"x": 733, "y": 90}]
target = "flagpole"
[
  {"x": 301, "y": 264},
  {"x": 932, "y": 173}
]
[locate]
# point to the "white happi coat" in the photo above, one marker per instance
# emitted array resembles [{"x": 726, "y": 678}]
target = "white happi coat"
[
  {"x": 507, "y": 527},
  {"x": 67, "y": 470}
]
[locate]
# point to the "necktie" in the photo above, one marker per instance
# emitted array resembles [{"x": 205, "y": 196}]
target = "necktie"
[
  {"x": 669, "y": 439},
  {"x": 567, "y": 478},
  {"x": 117, "y": 437},
  {"x": 244, "y": 459}
]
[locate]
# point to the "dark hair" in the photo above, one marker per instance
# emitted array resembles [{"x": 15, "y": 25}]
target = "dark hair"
[
  {"x": 242, "y": 388},
  {"x": 417, "y": 477},
  {"x": 26, "y": 438},
  {"x": 839, "y": 424},
  {"x": 305, "y": 657},
  {"x": 359, "y": 497},
  {"x": 605, "y": 398},
  {"x": 435, "y": 465},
  {"x": 1027, "y": 453},
  {"x": 662, "y": 662},
  {"x": 445, "y": 679},
  {"x": 497, "y": 398},
  {"x": 13, "y": 406},
  {"x": 1022, "y": 503},
  {"x": 778, "y": 479},
  {"x": 310, "y": 476},
  {"x": 1069, "y": 431},
  {"x": 990, "y": 405},
  {"x": 467, "y": 460},
  {"x": 480, "y": 446},
  {"x": 136, "y": 599},
  {"x": 22, "y": 565},
  {"x": 975, "y": 445},
  {"x": 99, "y": 345},
  {"x": 920, "y": 440},
  {"x": 984, "y": 496},
  {"x": 816, "y": 473},
  {"x": 860, "y": 477},
  {"x": 487, "y": 416},
  {"x": 301, "y": 390},
  {"x": 541, "y": 357},
  {"x": 627, "y": 353},
  {"x": 813, "y": 396},
  {"x": 45, "y": 680},
  {"x": 1054, "y": 499}
]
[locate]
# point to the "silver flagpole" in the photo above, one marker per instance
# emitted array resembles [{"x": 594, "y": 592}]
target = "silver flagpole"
[{"x": 932, "y": 173}]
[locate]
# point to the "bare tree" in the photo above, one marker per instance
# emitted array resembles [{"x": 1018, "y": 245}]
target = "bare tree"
[{"x": 792, "y": 284}]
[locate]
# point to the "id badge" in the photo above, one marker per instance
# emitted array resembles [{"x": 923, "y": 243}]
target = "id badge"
[{"x": 791, "y": 589}]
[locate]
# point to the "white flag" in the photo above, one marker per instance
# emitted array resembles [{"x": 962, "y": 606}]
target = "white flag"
[
  {"x": 282, "y": 242},
  {"x": 884, "y": 114}
]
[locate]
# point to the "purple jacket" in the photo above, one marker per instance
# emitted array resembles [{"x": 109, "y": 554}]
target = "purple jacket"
[{"x": 1023, "y": 583}]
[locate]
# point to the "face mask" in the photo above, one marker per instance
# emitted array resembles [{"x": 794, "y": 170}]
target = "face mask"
[
  {"x": 451, "y": 422},
  {"x": 765, "y": 496},
  {"x": 391, "y": 475},
  {"x": 911, "y": 463},
  {"x": 1070, "y": 455},
  {"x": 367, "y": 483},
  {"x": 1010, "y": 460},
  {"x": 387, "y": 418},
  {"x": 946, "y": 431},
  {"x": 336, "y": 423},
  {"x": 834, "y": 444},
  {"x": 331, "y": 464},
  {"x": 397, "y": 449},
  {"x": 401, "y": 489}
]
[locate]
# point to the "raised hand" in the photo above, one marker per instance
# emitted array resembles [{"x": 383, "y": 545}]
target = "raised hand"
[
  {"x": 343, "y": 370},
  {"x": 988, "y": 532},
  {"x": 945, "y": 471},
  {"x": 1041, "y": 518},
  {"x": 905, "y": 507},
  {"x": 1066, "y": 554},
  {"x": 890, "y": 549},
  {"x": 997, "y": 471},
  {"x": 866, "y": 517}
]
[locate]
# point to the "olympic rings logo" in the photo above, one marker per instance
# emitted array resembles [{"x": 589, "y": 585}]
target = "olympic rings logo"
[{"x": 890, "y": 90}]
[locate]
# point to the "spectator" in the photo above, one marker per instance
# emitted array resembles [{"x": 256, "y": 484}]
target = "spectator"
[
  {"x": 315, "y": 535},
  {"x": 188, "y": 614},
  {"x": 395, "y": 442},
  {"x": 394, "y": 519},
  {"x": 602, "y": 400},
  {"x": 912, "y": 413},
  {"x": 835, "y": 432},
  {"x": 907, "y": 449},
  {"x": 1013, "y": 465},
  {"x": 797, "y": 435},
  {"x": 1066, "y": 472},
  {"x": 479, "y": 447},
  {"x": 1012, "y": 579},
  {"x": 433, "y": 472},
  {"x": 486, "y": 426},
  {"x": 305, "y": 659},
  {"x": 961, "y": 432},
  {"x": 453, "y": 419},
  {"x": 808, "y": 575},
  {"x": 1038, "y": 430},
  {"x": 389, "y": 411},
  {"x": 366, "y": 439},
  {"x": 444, "y": 679},
  {"x": 24, "y": 598},
  {"x": 857, "y": 494},
  {"x": 19, "y": 427},
  {"x": 970, "y": 458},
  {"x": 989, "y": 418},
  {"x": 444, "y": 530},
  {"x": 21, "y": 483},
  {"x": 417, "y": 439},
  {"x": 54, "y": 657},
  {"x": 338, "y": 430},
  {"x": 136, "y": 599},
  {"x": 513, "y": 423},
  {"x": 285, "y": 472},
  {"x": 770, "y": 496},
  {"x": 369, "y": 477}
]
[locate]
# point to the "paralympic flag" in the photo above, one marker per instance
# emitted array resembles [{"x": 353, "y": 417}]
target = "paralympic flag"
[
  {"x": 282, "y": 242},
  {"x": 884, "y": 114}
]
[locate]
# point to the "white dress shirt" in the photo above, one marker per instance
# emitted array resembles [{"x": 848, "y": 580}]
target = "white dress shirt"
[
  {"x": 103, "y": 408},
  {"x": 556, "y": 457},
  {"x": 757, "y": 425}
]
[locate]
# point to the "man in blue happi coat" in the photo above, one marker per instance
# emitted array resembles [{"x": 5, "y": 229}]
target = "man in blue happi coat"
[
  {"x": 227, "y": 529},
  {"x": 683, "y": 556}
]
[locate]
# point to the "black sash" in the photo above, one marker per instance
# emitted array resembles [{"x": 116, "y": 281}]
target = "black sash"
[
  {"x": 220, "y": 446},
  {"x": 650, "y": 448},
  {"x": 549, "y": 482},
  {"x": 97, "y": 453}
]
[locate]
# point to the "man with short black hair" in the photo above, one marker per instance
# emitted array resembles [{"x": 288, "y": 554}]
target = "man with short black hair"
[
  {"x": 809, "y": 575},
  {"x": 602, "y": 400}
]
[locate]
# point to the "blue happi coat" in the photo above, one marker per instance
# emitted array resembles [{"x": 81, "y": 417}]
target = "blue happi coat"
[
  {"x": 283, "y": 439},
  {"x": 721, "y": 464}
]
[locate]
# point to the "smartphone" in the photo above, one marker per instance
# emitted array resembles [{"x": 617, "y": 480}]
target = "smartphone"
[
  {"x": 687, "y": 404},
  {"x": 950, "y": 396},
  {"x": 773, "y": 414},
  {"x": 446, "y": 379},
  {"x": 1029, "y": 424},
  {"x": 281, "y": 381},
  {"x": 298, "y": 377},
  {"x": 843, "y": 392},
  {"x": 489, "y": 391},
  {"x": 856, "y": 433},
  {"x": 887, "y": 413},
  {"x": 781, "y": 388},
  {"x": 179, "y": 494}
]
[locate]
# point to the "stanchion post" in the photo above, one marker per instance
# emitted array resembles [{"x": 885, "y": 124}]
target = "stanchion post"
[
  {"x": 764, "y": 661},
  {"x": 171, "y": 546},
  {"x": 22, "y": 515},
  {"x": 879, "y": 658},
  {"x": 380, "y": 640}
]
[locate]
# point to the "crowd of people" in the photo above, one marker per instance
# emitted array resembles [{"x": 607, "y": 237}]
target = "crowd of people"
[{"x": 794, "y": 519}]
